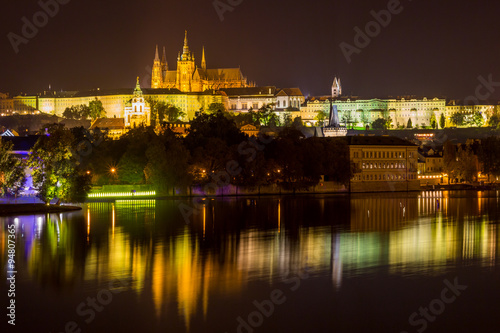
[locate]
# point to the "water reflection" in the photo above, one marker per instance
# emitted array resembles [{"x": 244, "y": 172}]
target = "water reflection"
[{"x": 232, "y": 243}]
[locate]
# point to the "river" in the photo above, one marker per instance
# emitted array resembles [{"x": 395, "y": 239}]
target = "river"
[{"x": 404, "y": 262}]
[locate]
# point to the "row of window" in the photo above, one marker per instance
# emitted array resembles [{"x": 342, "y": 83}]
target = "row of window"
[
  {"x": 381, "y": 154},
  {"x": 383, "y": 166},
  {"x": 384, "y": 177},
  {"x": 244, "y": 106}
]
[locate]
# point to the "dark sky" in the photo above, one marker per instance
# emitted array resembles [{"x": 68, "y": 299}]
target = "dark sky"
[{"x": 432, "y": 48}]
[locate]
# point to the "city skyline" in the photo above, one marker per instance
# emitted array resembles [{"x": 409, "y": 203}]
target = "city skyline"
[{"x": 425, "y": 49}]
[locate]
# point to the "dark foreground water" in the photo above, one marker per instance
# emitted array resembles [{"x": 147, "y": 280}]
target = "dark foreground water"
[{"x": 367, "y": 263}]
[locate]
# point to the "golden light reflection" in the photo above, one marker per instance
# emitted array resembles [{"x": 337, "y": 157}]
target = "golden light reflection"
[
  {"x": 113, "y": 218},
  {"x": 279, "y": 216},
  {"x": 204, "y": 218},
  {"x": 88, "y": 224},
  {"x": 408, "y": 236}
]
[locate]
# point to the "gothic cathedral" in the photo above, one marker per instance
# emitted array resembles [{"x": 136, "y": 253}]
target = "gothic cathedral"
[{"x": 190, "y": 78}]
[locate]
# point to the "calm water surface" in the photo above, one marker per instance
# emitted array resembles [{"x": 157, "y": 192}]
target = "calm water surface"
[{"x": 366, "y": 263}]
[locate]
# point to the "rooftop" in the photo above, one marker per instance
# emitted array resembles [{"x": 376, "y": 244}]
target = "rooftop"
[
  {"x": 377, "y": 141},
  {"x": 109, "y": 123}
]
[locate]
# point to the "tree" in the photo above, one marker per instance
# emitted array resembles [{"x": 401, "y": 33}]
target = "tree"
[
  {"x": 409, "y": 124},
  {"x": 56, "y": 167},
  {"x": 466, "y": 163},
  {"x": 433, "y": 121},
  {"x": 489, "y": 155},
  {"x": 450, "y": 160},
  {"x": 173, "y": 114},
  {"x": 297, "y": 122},
  {"x": 154, "y": 104},
  {"x": 131, "y": 163},
  {"x": 494, "y": 120},
  {"x": 70, "y": 113},
  {"x": 96, "y": 109},
  {"x": 215, "y": 107},
  {"x": 379, "y": 124},
  {"x": 161, "y": 110},
  {"x": 365, "y": 117},
  {"x": 264, "y": 115},
  {"x": 477, "y": 119},
  {"x": 320, "y": 118},
  {"x": 457, "y": 118},
  {"x": 388, "y": 123},
  {"x": 167, "y": 163},
  {"x": 347, "y": 118},
  {"x": 131, "y": 168},
  {"x": 442, "y": 121},
  {"x": 216, "y": 125},
  {"x": 286, "y": 119},
  {"x": 77, "y": 112},
  {"x": 244, "y": 118},
  {"x": 12, "y": 175}
]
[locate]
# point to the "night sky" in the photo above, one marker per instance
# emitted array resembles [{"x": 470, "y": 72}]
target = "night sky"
[{"x": 432, "y": 48}]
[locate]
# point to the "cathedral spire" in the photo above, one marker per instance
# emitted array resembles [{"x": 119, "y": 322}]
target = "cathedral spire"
[
  {"x": 186, "y": 47},
  {"x": 203, "y": 61},
  {"x": 157, "y": 58},
  {"x": 164, "y": 63}
]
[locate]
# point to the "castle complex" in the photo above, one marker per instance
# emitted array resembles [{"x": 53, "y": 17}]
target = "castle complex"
[
  {"x": 188, "y": 77},
  {"x": 191, "y": 88}
]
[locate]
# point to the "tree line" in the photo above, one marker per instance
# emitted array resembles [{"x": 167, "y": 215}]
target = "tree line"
[
  {"x": 93, "y": 111},
  {"x": 66, "y": 162}
]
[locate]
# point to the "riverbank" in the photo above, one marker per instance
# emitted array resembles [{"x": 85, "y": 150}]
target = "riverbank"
[{"x": 28, "y": 209}]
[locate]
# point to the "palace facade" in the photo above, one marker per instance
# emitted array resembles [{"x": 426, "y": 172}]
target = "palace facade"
[
  {"x": 114, "y": 101},
  {"x": 188, "y": 77},
  {"x": 358, "y": 111}
]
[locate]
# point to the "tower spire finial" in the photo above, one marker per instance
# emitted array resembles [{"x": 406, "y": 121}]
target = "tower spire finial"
[
  {"x": 156, "y": 53},
  {"x": 203, "y": 61},
  {"x": 137, "y": 90},
  {"x": 186, "y": 55}
]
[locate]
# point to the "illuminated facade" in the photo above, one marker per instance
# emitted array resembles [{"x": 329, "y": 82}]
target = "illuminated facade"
[
  {"x": 383, "y": 164},
  {"x": 188, "y": 77},
  {"x": 361, "y": 111},
  {"x": 114, "y": 101},
  {"x": 365, "y": 111},
  {"x": 137, "y": 111},
  {"x": 282, "y": 101}
]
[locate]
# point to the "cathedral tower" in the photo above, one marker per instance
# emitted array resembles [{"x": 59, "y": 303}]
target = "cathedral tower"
[
  {"x": 188, "y": 77},
  {"x": 156, "y": 72},
  {"x": 185, "y": 68},
  {"x": 336, "y": 88}
]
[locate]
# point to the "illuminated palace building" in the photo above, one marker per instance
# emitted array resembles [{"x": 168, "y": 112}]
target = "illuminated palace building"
[
  {"x": 188, "y": 77},
  {"x": 355, "y": 110}
]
